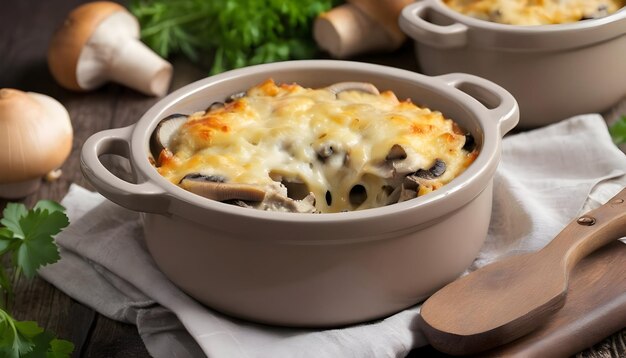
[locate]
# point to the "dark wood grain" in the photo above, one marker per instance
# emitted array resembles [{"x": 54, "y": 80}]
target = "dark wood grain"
[{"x": 26, "y": 27}]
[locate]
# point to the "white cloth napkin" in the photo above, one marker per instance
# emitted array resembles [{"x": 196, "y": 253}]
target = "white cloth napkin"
[{"x": 546, "y": 178}]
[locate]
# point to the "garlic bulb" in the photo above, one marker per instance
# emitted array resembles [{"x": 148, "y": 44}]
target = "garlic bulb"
[{"x": 35, "y": 138}]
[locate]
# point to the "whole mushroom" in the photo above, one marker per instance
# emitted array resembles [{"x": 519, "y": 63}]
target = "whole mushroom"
[
  {"x": 35, "y": 139},
  {"x": 360, "y": 26},
  {"x": 98, "y": 43}
]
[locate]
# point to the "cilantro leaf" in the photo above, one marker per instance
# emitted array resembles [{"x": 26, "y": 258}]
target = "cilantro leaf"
[
  {"x": 22, "y": 345},
  {"x": 6, "y": 238},
  {"x": 38, "y": 248},
  {"x": 6, "y": 331},
  {"x": 14, "y": 343},
  {"x": 25, "y": 339},
  {"x": 5, "y": 233},
  {"x": 41, "y": 344},
  {"x": 60, "y": 348},
  {"x": 28, "y": 235},
  {"x": 618, "y": 131},
  {"x": 12, "y": 215},
  {"x": 49, "y": 205},
  {"x": 28, "y": 329}
]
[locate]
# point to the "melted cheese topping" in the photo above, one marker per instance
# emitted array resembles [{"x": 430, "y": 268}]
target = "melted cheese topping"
[
  {"x": 325, "y": 142},
  {"x": 535, "y": 12}
]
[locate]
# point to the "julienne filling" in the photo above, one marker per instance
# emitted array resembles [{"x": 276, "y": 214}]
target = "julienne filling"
[
  {"x": 288, "y": 148},
  {"x": 535, "y": 12}
]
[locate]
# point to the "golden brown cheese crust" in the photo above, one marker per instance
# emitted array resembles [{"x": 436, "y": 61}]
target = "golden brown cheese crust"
[
  {"x": 535, "y": 12},
  {"x": 339, "y": 147}
]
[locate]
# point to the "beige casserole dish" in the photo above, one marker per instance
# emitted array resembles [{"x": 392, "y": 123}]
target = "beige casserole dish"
[
  {"x": 312, "y": 269},
  {"x": 554, "y": 71}
]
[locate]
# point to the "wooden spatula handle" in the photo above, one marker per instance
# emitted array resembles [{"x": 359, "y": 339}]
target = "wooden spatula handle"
[{"x": 590, "y": 231}]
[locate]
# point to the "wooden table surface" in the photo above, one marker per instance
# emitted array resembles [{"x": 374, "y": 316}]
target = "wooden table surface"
[{"x": 25, "y": 30}]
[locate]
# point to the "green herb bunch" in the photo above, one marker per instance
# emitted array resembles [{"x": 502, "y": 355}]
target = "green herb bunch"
[
  {"x": 226, "y": 34},
  {"x": 27, "y": 238}
]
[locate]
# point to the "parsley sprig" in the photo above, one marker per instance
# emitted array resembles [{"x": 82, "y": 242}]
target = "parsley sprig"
[
  {"x": 27, "y": 237},
  {"x": 228, "y": 34}
]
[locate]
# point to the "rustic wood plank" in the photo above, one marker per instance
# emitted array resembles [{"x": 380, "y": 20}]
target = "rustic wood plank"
[
  {"x": 29, "y": 25},
  {"x": 23, "y": 66}
]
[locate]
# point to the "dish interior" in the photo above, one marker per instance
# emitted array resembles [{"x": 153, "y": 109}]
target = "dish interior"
[
  {"x": 284, "y": 147},
  {"x": 535, "y": 12},
  {"x": 429, "y": 92}
]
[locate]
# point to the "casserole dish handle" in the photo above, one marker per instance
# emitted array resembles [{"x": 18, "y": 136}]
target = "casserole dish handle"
[
  {"x": 146, "y": 196},
  {"x": 501, "y": 105},
  {"x": 413, "y": 21}
]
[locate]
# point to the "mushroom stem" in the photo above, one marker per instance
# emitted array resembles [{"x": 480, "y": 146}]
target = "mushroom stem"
[
  {"x": 138, "y": 67},
  {"x": 360, "y": 26},
  {"x": 19, "y": 189},
  {"x": 342, "y": 32}
]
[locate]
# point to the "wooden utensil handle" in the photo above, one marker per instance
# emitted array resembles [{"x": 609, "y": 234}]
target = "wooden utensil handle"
[{"x": 590, "y": 231}]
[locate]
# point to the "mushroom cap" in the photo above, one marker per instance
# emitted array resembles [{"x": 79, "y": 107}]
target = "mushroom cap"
[
  {"x": 35, "y": 135},
  {"x": 68, "y": 41}
]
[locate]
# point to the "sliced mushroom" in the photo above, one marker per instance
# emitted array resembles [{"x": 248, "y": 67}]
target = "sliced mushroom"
[
  {"x": 435, "y": 171},
  {"x": 406, "y": 194},
  {"x": 409, "y": 189},
  {"x": 396, "y": 153},
  {"x": 352, "y": 86},
  {"x": 235, "y": 96},
  {"x": 241, "y": 203},
  {"x": 601, "y": 11},
  {"x": 394, "y": 165},
  {"x": 332, "y": 154},
  {"x": 393, "y": 197},
  {"x": 387, "y": 195},
  {"x": 214, "y": 106},
  {"x": 164, "y": 132},
  {"x": 324, "y": 152},
  {"x": 203, "y": 177},
  {"x": 294, "y": 188},
  {"x": 470, "y": 143},
  {"x": 272, "y": 198},
  {"x": 214, "y": 187},
  {"x": 276, "y": 202},
  {"x": 438, "y": 168}
]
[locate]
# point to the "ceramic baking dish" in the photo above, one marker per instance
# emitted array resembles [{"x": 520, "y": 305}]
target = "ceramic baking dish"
[
  {"x": 312, "y": 269},
  {"x": 554, "y": 71}
]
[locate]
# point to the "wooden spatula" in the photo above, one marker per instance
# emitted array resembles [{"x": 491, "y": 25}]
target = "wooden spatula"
[{"x": 508, "y": 299}]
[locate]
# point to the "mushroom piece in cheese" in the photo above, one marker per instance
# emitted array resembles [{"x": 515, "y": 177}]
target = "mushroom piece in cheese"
[
  {"x": 288, "y": 148},
  {"x": 535, "y": 12}
]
